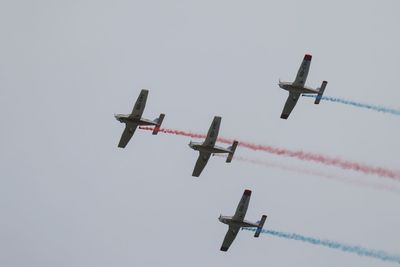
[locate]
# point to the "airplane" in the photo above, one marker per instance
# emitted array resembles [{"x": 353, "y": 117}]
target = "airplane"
[
  {"x": 135, "y": 119},
  {"x": 298, "y": 87},
  {"x": 237, "y": 221},
  {"x": 208, "y": 147}
]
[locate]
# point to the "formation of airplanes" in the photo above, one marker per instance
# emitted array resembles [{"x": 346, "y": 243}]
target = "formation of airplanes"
[{"x": 209, "y": 147}]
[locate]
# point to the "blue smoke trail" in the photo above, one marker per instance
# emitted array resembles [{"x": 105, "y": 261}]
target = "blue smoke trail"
[
  {"x": 357, "y": 104},
  {"x": 378, "y": 254}
]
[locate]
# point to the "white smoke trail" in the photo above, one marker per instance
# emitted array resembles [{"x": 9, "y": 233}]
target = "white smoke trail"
[{"x": 338, "y": 178}]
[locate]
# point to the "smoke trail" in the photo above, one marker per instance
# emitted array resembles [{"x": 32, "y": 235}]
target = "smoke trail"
[
  {"x": 378, "y": 254},
  {"x": 337, "y": 162},
  {"x": 357, "y": 104},
  {"x": 317, "y": 173}
]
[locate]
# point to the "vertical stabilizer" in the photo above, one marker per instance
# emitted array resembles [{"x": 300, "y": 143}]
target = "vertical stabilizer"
[
  {"x": 260, "y": 226},
  {"x": 159, "y": 121},
  {"x": 232, "y": 148},
  {"x": 320, "y": 92}
]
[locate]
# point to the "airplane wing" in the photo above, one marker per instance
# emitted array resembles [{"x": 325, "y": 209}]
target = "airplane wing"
[
  {"x": 289, "y": 105},
  {"x": 127, "y": 134},
  {"x": 140, "y": 104},
  {"x": 213, "y": 132},
  {"x": 229, "y": 237},
  {"x": 201, "y": 163},
  {"x": 303, "y": 71},
  {"x": 243, "y": 205}
]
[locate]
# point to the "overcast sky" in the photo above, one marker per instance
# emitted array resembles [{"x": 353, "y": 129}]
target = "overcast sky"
[{"x": 70, "y": 197}]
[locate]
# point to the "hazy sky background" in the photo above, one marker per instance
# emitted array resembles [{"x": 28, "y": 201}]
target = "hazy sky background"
[{"x": 70, "y": 197}]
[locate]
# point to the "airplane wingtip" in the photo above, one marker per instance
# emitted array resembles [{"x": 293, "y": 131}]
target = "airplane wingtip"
[
  {"x": 247, "y": 192},
  {"x": 307, "y": 57},
  {"x": 284, "y": 116}
]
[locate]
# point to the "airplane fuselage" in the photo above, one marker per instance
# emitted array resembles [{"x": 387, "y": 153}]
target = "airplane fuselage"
[
  {"x": 288, "y": 86},
  {"x": 237, "y": 223},
  {"x": 127, "y": 118},
  {"x": 208, "y": 149}
]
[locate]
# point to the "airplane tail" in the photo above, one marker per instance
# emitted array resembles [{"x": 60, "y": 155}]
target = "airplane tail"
[
  {"x": 321, "y": 91},
  {"x": 232, "y": 149},
  {"x": 159, "y": 120},
  {"x": 260, "y": 226}
]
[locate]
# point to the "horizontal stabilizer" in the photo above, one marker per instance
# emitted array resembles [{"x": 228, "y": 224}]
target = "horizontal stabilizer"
[
  {"x": 232, "y": 148},
  {"x": 159, "y": 121},
  {"x": 320, "y": 92},
  {"x": 260, "y": 226}
]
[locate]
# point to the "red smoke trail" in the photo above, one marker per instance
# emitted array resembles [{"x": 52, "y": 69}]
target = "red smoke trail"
[
  {"x": 337, "y": 162},
  {"x": 176, "y": 132}
]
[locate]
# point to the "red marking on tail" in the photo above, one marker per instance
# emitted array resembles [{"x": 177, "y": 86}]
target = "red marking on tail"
[{"x": 327, "y": 160}]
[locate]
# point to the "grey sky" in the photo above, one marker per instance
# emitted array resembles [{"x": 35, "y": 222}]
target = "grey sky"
[{"x": 70, "y": 197}]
